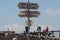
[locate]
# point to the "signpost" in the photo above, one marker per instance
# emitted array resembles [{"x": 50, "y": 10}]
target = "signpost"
[
  {"x": 28, "y": 13},
  {"x": 25, "y": 5}
]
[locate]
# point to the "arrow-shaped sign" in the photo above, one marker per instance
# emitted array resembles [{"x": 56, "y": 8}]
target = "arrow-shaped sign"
[
  {"x": 30, "y": 14},
  {"x": 27, "y": 5}
]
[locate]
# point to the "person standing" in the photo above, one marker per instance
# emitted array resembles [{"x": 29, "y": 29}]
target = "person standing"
[
  {"x": 38, "y": 29},
  {"x": 46, "y": 29}
]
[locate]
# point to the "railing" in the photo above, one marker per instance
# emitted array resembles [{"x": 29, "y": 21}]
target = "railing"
[{"x": 32, "y": 36}]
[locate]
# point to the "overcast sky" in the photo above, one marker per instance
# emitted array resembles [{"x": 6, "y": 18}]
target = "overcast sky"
[{"x": 49, "y": 9}]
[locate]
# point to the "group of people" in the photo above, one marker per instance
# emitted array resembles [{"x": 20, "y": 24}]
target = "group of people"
[{"x": 45, "y": 30}]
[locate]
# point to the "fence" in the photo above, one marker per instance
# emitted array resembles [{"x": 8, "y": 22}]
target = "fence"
[{"x": 32, "y": 36}]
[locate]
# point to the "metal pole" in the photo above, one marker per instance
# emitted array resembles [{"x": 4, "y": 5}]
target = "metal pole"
[
  {"x": 28, "y": 19},
  {"x": 59, "y": 33}
]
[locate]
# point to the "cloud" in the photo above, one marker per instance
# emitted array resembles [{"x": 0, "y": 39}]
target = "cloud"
[
  {"x": 21, "y": 28},
  {"x": 52, "y": 11},
  {"x": 13, "y": 27}
]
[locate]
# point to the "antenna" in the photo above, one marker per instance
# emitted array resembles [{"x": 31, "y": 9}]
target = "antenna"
[{"x": 8, "y": 29}]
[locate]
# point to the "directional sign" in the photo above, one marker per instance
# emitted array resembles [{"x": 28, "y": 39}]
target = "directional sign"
[
  {"x": 30, "y": 22},
  {"x": 33, "y": 6},
  {"x": 30, "y": 14},
  {"x": 22, "y": 5},
  {"x": 28, "y": 5}
]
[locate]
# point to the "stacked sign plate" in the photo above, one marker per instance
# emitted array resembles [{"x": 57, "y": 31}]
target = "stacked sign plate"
[{"x": 28, "y": 13}]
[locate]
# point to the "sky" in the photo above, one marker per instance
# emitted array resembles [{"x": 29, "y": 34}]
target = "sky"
[{"x": 49, "y": 15}]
